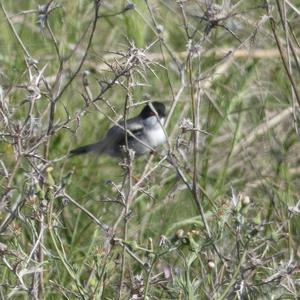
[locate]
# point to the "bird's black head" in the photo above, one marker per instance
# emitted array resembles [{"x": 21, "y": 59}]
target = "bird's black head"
[{"x": 148, "y": 112}]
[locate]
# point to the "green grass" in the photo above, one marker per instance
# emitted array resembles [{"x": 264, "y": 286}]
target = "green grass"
[{"x": 245, "y": 245}]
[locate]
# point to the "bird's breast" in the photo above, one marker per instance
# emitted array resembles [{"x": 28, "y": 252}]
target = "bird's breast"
[
  {"x": 156, "y": 137},
  {"x": 155, "y": 134}
]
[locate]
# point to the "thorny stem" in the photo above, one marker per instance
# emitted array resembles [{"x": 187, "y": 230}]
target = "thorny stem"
[
  {"x": 234, "y": 276},
  {"x": 89, "y": 43},
  {"x": 103, "y": 226},
  {"x": 195, "y": 191},
  {"x": 147, "y": 283},
  {"x": 161, "y": 44},
  {"x": 53, "y": 99},
  {"x": 285, "y": 64},
  {"x": 10, "y": 217},
  {"x": 128, "y": 193},
  {"x": 40, "y": 258},
  {"x": 14, "y": 31},
  {"x": 61, "y": 254},
  {"x": 73, "y": 76}
]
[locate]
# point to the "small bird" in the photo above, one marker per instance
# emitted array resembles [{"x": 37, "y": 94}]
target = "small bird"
[{"x": 144, "y": 133}]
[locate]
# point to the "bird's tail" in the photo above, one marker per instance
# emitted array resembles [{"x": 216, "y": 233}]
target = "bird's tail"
[{"x": 97, "y": 147}]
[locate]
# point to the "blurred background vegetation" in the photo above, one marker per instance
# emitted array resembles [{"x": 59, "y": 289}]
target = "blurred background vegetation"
[{"x": 212, "y": 215}]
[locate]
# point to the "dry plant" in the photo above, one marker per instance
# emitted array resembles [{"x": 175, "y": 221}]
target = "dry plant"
[{"x": 212, "y": 215}]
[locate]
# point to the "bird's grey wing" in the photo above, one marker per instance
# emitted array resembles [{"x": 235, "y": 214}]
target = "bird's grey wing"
[
  {"x": 117, "y": 133},
  {"x": 135, "y": 126},
  {"x": 114, "y": 139},
  {"x": 109, "y": 144}
]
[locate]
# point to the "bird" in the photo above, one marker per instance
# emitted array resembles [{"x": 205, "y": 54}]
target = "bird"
[{"x": 145, "y": 132}]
